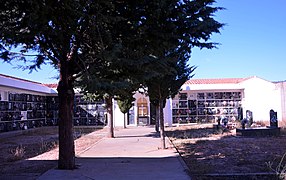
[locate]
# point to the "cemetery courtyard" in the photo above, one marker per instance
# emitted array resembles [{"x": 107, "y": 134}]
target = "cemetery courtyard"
[
  {"x": 204, "y": 150},
  {"x": 211, "y": 152}
]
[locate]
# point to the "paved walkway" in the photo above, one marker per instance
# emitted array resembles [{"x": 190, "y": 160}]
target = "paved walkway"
[{"x": 134, "y": 153}]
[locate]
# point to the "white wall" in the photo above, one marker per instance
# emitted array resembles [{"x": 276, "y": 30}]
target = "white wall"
[
  {"x": 281, "y": 86},
  {"x": 207, "y": 87},
  {"x": 118, "y": 116},
  {"x": 168, "y": 113},
  {"x": 260, "y": 96},
  {"x": 137, "y": 96}
]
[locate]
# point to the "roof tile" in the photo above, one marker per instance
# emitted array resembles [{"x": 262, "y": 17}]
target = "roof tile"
[
  {"x": 54, "y": 85},
  {"x": 216, "y": 81}
]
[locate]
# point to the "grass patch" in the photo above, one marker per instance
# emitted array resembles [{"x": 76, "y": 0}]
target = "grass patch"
[
  {"x": 47, "y": 145},
  {"x": 280, "y": 169},
  {"x": 17, "y": 154}
]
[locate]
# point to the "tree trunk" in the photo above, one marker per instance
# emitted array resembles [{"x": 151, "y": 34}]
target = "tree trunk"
[
  {"x": 66, "y": 102},
  {"x": 109, "y": 109},
  {"x": 162, "y": 129},
  {"x": 157, "y": 118},
  {"x": 124, "y": 123},
  {"x": 128, "y": 119}
]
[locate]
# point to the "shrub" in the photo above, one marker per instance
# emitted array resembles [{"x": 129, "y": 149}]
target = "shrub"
[
  {"x": 18, "y": 153},
  {"x": 280, "y": 169}
]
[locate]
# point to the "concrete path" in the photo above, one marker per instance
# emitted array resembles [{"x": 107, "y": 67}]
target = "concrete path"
[{"x": 134, "y": 153}]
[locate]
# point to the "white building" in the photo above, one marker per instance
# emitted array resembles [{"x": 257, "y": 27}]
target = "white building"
[
  {"x": 200, "y": 100},
  {"x": 253, "y": 93},
  {"x": 207, "y": 100},
  {"x": 142, "y": 112}
]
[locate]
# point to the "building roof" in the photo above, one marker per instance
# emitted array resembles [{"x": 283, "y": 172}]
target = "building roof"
[
  {"x": 19, "y": 83},
  {"x": 216, "y": 81},
  {"x": 54, "y": 85},
  {"x": 20, "y": 79}
]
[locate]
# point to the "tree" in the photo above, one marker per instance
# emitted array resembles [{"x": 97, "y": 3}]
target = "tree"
[
  {"x": 162, "y": 88},
  {"x": 103, "y": 41},
  {"x": 183, "y": 25},
  {"x": 122, "y": 66},
  {"x": 116, "y": 74},
  {"x": 164, "y": 33},
  {"x": 119, "y": 79},
  {"x": 67, "y": 34},
  {"x": 124, "y": 105},
  {"x": 50, "y": 30}
]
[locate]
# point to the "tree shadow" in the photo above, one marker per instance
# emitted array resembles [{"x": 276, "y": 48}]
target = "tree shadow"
[
  {"x": 122, "y": 168},
  {"x": 227, "y": 157},
  {"x": 153, "y": 135},
  {"x": 19, "y": 146},
  {"x": 26, "y": 169}
]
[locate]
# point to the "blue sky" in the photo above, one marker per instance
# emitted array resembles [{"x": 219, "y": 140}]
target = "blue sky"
[{"x": 253, "y": 43}]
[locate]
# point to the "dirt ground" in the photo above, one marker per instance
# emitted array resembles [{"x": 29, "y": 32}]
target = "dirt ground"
[
  {"x": 29, "y": 153},
  {"x": 210, "y": 152}
]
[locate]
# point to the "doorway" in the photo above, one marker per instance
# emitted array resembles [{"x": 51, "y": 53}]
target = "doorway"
[{"x": 142, "y": 111}]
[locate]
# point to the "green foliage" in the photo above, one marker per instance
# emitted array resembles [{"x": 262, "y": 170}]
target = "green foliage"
[
  {"x": 108, "y": 47},
  {"x": 175, "y": 27},
  {"x": 149, "y": 42},
  {"x": 115, "y": 38},
  {"x": 29, "y": 27},
  {"x": 125, "y": 104},
  {"x": 72, "y": 35},
  {"x": 183, "y": 25}
]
